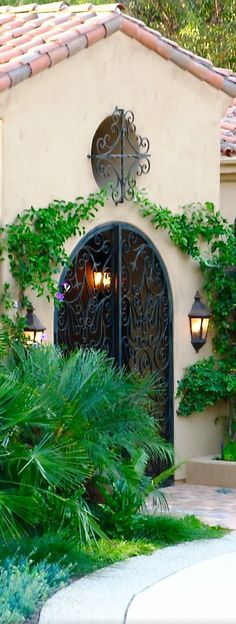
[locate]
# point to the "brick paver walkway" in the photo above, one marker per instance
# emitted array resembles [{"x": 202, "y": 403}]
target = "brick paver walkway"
[{"x": 214, "y": 505}]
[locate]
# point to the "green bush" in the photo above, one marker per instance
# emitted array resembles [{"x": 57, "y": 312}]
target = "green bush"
[
  {"x": 205, "y": 382},
  {"x": 24, "y": 587},
  {"x": 229, "y": 451},
  {"x": 68, "y": 424}
]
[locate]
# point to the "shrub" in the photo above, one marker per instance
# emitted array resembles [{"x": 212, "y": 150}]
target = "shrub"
[
  {"x": 24, "y": 587},
  {"x": 64, "y": 423}
]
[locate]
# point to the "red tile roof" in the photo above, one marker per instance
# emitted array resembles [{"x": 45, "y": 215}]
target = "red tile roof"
[
  {"x": 228, "y": 132},
  {"x": 34, "y": 37}
]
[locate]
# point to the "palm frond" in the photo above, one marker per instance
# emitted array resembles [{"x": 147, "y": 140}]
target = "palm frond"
[
  {"x": 59, "y": 464},
  {"x": 17, "y": 512}
]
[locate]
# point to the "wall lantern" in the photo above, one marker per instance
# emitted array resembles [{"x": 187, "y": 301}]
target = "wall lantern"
[
  {"x": 199, "y": 317},
  {"x": 34, "y": 329},
  {"x": 101, "y": 280}
]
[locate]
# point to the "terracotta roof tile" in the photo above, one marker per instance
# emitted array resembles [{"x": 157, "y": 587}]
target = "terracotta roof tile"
[
  {"x": 23, "y": 59},
  {"x": 228, "y": 131},
  {"x": 58, "y": 54},
  {"x": 5, "y": 82},
  {"x": 34, "y": 37},
  {"x": 19, "y": 73},
  {"x": 77, "y": 44},
  {"x": 8, "y": 55},
  {"x": 63, "y": 37},
  {"x": 7, "y": 67},
  {"x": 45, "y": 47},
  {"x": 40, "y": 63},
  {"x": 112, "y": 24},
  {"x": 33, "y": 43},
  {"x": 5, "y": 19}
]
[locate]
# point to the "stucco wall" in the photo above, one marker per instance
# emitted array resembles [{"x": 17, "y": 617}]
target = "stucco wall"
[
  {"x": 228, "y": 188},
  {"x": 48, "y": 125}
]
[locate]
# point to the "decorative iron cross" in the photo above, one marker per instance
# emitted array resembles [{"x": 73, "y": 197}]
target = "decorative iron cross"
[{"x": 120, "y": 156}]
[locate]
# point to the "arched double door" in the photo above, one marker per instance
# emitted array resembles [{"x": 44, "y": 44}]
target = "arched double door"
[{"x": 117, "y": 298}]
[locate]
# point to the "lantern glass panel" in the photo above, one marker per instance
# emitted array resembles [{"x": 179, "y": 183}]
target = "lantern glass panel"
[
  {"x": 195, "y": 327},
  {"x": 98, "y": 275},
  {"x": 205, "y": 323},
  {"x": 29, "y": 335}
]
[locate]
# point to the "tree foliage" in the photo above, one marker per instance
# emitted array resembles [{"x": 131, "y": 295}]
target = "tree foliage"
[{"x": 206, "y": 27}]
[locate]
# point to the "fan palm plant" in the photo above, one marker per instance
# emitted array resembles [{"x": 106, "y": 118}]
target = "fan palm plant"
[{"x": 65, "y": 422}]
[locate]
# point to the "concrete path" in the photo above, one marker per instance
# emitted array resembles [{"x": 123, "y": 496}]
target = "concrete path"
[
  {"x": 192, "y": 583},
  {"x": 200, "y": 594}
]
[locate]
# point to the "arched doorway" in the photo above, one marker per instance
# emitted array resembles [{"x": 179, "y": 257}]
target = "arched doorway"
[{"x": 117, "y": 298}]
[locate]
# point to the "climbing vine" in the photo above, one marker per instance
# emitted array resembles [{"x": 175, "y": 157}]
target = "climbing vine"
[
  {"x": 35, "y": 246},
  {"x": 201, "y": 232}
]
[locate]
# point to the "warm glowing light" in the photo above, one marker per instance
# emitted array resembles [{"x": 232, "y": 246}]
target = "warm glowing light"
[
  {"x": 98, "y": 276},
  {"x": 102, "y": 279},
  {"x": 33, "y": 337},
  {"x": 205, "y": 323},
  {"x": 106, "y": 280},
  {"x": 196, "y": 326}
]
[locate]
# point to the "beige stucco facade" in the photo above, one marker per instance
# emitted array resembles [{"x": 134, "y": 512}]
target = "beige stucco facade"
[
  {"x": 228, "y": 187},
  {"x": 47, "y": 126}
]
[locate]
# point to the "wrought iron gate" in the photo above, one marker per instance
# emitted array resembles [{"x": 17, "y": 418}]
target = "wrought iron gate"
[{"x": 117, "y": 298}]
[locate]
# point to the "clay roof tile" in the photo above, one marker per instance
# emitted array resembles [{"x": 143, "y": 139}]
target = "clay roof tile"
[{"x": 35, "y": 36}]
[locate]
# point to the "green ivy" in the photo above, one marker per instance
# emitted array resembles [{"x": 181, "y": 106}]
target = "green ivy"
[
  {"x": 36, "y": 241},
  {"x": 35, "y": 246},
  {"x": 202, "y": 233},
  {"x": 204, "y": 383}
]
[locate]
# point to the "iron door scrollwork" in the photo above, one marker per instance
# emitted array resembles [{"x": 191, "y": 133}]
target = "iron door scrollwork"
[
  {"x": 118, "y": 299},
  {"x": 86, "y": 316},
  {"x": 146, "y": 316}
]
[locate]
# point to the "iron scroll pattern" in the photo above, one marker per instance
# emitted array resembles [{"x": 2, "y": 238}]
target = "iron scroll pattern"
[
  {"x": 86, "y": 316},
  {"x": 130, "y": 318},
  {"x": 121, "y": 155},
  {"x": 146, "y": 318}
]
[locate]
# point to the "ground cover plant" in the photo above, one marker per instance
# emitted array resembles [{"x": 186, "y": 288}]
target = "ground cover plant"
[{"x": 31, "y": 569}]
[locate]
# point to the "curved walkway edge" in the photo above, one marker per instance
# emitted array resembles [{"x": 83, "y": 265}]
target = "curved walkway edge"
[{"x": 114, "y": 595}]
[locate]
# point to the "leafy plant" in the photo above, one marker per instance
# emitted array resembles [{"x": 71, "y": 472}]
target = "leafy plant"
[
  {"x": 229, "y": 450},
  {"x": 128, "y": 492},
  {"x": 215, "y": 378},
  {"x": 24, "y": 587},
  {"x": 204, "y": 383},
  {"x": 35, "y": 259},
  {"x": 66, "y": 422},
  {"x": 205, "y": 27}
]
